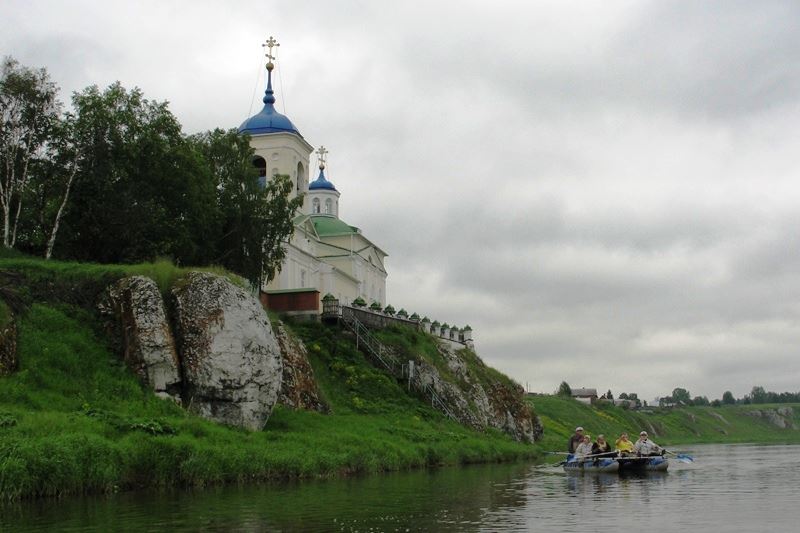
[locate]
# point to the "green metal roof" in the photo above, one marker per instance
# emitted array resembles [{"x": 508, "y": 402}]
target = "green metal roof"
[{"x": 329, "y": 226}]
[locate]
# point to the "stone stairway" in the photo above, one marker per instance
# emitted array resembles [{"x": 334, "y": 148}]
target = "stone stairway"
[{"x": 367, "y": 343}]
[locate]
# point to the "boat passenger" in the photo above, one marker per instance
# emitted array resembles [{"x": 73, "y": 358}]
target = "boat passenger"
[
  {"x": 602, "y": 448},
  {"x": 584, "y": 448},
  {"x": 623, "y": 445},
  {"x": 574, "y": 440},
  {"x": 645, "y": 447}
]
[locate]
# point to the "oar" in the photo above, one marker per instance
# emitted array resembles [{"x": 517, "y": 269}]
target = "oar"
[
  {"x": 682, "y": 457},
  {"x": 602, "y": 454}
]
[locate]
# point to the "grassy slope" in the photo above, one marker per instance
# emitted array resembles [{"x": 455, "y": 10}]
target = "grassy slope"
[
  {"x": 74, "y": 420},
  {"x": 411, "y": 343},
  {"x": 672, "y": 426}
]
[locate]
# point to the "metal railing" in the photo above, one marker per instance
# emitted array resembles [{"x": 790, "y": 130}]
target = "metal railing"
[{"x": 373, "y": 347}]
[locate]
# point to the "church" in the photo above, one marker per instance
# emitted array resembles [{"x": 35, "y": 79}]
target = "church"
[{"x": 325, "y": 255}]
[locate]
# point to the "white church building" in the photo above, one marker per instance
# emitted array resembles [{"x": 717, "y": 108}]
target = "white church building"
[{"x": 324, "y": 253}]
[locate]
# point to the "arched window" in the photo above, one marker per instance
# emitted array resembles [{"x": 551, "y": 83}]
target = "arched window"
[
  {"x": 328, "y": 207},
  {"x": 261, "y": 165},
  {"x": 315, "y": 206},
  {"x": 301, "y": 178}
]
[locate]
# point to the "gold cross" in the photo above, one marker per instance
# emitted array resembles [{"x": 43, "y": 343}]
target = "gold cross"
[
  {"x": 271, "y": 42},
  {"x": 321, "y": 153}
]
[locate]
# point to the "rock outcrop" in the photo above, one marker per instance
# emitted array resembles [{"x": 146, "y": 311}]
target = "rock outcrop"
[
  {"x": 298, "y": 386},
  {"x": 475, "y": 397},
  {"x": 782, "y": 417},
  {"x": 230, "y": 359},
  {"x": 8, "y": 348},
  {"x": 135, "y": 313},
  {"x": 497, "y": 403}
]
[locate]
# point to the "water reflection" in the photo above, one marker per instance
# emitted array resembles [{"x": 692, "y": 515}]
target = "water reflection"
[{"x": 735, "y": 488}]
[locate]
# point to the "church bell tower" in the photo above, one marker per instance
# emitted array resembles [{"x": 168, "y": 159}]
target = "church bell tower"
[{"x": 279, "y": 147}]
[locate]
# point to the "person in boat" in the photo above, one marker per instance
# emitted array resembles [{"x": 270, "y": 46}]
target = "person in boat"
[
  {"x": 575, "y": 439},
  {"x": 602, "y": 448},
  {"x": 645, "y": 447},
  {"x": 584, "y": 448},
  {"x": 623, "y": 445}
]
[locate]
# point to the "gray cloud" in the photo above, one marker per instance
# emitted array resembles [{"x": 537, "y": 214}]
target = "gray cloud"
[{"x": 606, "y": 192}]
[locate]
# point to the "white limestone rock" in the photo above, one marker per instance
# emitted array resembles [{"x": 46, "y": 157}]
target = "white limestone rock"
[
  {"x": 135, "y": 310},
  {"x": 494, "y": 403},
  {"x": 480, "y": 405},
  {"x": 451, "y": 395},
  {"x": 230, "y": 359}
]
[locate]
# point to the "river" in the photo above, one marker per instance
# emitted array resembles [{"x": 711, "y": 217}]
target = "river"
[{"x": 730, "y": 488}]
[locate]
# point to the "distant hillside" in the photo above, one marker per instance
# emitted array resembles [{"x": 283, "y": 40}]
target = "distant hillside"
[{"x": 778, "y": 423}]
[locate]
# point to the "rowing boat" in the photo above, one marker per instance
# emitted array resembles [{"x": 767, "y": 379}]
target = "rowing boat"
[
  {"x": 643, "y": 464},
  {"x": 602, "y": 465},
  {"x": 610, "y": 465}
]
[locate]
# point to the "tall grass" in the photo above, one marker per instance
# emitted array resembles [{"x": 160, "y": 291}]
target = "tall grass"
[
  {"x": 64, "y": 276},
  {"x": 75, "y": 420}
]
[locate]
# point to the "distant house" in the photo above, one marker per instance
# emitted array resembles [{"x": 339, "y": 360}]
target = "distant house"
[
  {"x": 587, "y": 396},
  {"x": 625, "y": 404}
]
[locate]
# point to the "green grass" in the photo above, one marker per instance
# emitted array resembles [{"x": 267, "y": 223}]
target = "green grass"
[
  {"x": 686, "y": 425},
  {"x": 74, "y": 420},
  {"x": 59, "y": 278}
]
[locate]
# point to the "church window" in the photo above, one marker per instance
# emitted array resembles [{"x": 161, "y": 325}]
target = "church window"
[
  {"x": 302, "y": 278},
  {"x": 315, "y": 206},
  {"x": 301, "y": 178},
  {"x": 261, "y": 165},
  {"x": 328, "y": 207}
]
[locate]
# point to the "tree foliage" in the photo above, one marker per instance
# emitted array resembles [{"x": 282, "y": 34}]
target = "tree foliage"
[
  {"x": 141, "y": 191},
  {"x": 255, "y": 214},
  {"x": 118, "y": 182},
  {"x": 727, "y": 398},
  {"x": 681, "y": 396},
  {"x": 564, "y": 389},
  {"x": 700, "y": 401},
  {"x": 29, "y": 108}
]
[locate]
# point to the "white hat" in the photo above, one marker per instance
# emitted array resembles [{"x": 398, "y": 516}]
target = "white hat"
[
  {"x": 579, "y": 428},
  {"x": 643, "y": 433}
]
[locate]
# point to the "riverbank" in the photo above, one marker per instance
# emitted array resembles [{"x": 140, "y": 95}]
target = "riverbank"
[
  {"x": 685, "y": 425},
  {"x": 75, "y": 420}
]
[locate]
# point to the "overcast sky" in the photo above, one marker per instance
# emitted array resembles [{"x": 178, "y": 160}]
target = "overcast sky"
[{"x": 607, "y": 192}]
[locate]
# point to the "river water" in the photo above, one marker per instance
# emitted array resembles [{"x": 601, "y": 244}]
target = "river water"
[{"x": 728, "y": 488}]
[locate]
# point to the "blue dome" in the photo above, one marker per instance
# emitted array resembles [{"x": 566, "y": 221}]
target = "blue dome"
[
  {"x": 268, "y": 121},
  {"x": 321, "y": 183}
]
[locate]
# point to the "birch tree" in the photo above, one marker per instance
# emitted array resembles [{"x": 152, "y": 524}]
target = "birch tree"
[
  {"x": 68, "y": 153},
  {"x": 28, "y": 110}
]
